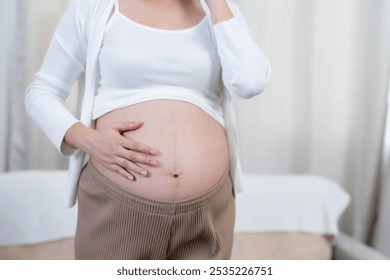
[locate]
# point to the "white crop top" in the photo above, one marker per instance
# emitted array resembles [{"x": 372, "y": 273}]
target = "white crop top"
[{"x": 139, "y": 63}]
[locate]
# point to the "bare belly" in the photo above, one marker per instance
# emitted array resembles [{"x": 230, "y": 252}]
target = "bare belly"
[{"x": 193, "y": 149}]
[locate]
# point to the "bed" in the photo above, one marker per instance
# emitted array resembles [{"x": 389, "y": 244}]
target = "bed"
[{"x": 277, "y": 217}]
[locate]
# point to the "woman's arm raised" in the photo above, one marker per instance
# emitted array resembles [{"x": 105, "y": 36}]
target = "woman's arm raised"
[
  {"x": 219, "y": 10},
  {"x": 245, "y": 68}
]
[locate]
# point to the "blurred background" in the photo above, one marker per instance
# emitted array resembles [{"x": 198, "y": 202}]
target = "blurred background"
[{"x": 325, "y": 111}]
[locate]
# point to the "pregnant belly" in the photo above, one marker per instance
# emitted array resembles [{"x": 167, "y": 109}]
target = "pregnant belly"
[{"x": 193, "y": 149}]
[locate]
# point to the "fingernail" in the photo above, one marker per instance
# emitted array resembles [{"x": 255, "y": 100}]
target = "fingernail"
[
  {"x": 153, "y": 162},
  {"x": 144, "y": 173},
  {"x": 131, "y": 178},
  {"x": 153, "y": 151}
]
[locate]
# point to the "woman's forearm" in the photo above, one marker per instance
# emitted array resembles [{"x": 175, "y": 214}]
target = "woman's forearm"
[
  {"x": 79, "y": 136},
  {"x": 219, "y": 10},
  {"x": 246, "y": 70}
]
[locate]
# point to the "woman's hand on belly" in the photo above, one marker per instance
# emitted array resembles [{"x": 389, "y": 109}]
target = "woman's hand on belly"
[
  {"x": 111, "y": 149},
  {"x": 193, "y": 152}
]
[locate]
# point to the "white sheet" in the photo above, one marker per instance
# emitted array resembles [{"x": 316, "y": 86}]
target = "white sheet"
[
  {"x": 303, "y": 203},
  {"x": 32, "y": 207}
]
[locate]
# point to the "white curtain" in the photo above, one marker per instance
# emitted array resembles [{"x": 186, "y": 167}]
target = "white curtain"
[
  {"x": 7, "y": 28},
  {"x": 381, "y": 233},
  {"x": 323, "y": 113},
  {"x": 26, "y": 29}
]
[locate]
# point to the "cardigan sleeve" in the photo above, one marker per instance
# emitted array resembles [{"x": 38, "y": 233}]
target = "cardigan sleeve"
[
  {"x": 64, "y": 62},
  {"x": 245, "y": 68}
]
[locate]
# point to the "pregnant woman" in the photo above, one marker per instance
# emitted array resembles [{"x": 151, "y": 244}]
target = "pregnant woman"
[{"x": 156, "y": 123}]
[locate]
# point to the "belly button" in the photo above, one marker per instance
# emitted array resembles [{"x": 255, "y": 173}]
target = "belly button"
[{"x": 175, "y": 176}]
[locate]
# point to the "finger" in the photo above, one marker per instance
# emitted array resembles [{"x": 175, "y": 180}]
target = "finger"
[
  {"x": 138, "y": 147},
  {"x": 137, "y": 157},
  {"x": 126, "y": 126},
  {"x": 123, "y": 172},
  {"x": 131, "y": 167}
]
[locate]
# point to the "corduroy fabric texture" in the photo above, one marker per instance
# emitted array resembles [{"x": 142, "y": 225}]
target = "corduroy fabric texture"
[{"x": 116, "y": 224}]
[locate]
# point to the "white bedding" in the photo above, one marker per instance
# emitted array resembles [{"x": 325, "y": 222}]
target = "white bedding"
[
  {"x": 303, "y": 203},
  {"x": 32, "y": 206}
]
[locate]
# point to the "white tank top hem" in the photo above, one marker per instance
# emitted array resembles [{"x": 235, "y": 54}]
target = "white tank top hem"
[{"x": 162, "y": 93}]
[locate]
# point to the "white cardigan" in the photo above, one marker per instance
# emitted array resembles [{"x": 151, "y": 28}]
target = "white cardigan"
[{"x": 73, "y": 54}]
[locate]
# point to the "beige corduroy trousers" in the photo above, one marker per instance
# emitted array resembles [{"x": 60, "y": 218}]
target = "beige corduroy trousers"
[{"x": 116, "y": 224}]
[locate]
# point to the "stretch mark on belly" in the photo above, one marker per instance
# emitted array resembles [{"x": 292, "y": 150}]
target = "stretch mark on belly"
[{"x": 175, "y": 170}]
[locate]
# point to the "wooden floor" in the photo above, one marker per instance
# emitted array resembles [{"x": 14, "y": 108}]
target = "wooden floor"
[{"x": 277, "y": 245}]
